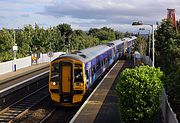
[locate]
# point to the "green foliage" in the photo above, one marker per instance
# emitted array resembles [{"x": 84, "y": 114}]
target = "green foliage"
[
  {"x": 119, "y": 35},
  {"x": 164, "y": 45},
  {"x": 39, "y": 40},
  {"x": 6, "y": 43},
  {"x": 139, "y": 91},
  {"x": 127, "y": 34},
  {"x": 65, "y": 29},
  {"x": 141, "y": 45},
  {"x": 81, "y": 40},
  {"x": 168, "y": 56},
  {"x": 104, "y": 34},
  {"x": 178, "y": 25}
]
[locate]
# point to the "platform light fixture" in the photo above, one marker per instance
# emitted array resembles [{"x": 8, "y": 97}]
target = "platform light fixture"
[
  {"x": 137, "y": 23},
  {"x": 15, "y": 49}
]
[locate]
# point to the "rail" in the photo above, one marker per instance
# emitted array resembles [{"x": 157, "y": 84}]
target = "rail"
[
  {"x": 18, "y": 109},
  {"x": 48, "y": 116}
]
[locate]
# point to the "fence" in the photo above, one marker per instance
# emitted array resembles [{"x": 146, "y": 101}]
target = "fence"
[
  {"x": 44, "y": 57},
  {"x": 10, "y": 66},
  {"x": 147, "y": 60},
  {"x": 168, "y": 114}
]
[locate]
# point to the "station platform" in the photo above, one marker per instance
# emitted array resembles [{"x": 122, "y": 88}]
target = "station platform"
[
  {"x": 102, "y": 105},
  {"x": 21, "y": 72},
  {"x": 13, "y": 79},
  {"x": 22, "y": 82}
]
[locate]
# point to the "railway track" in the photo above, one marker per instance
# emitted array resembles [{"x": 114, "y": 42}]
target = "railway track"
[
  {"x": 48, "y": 116},
  {"x": 18, "y": 109},
  {"x": 28, "y": 110},
  {"x": 64, "y": 115},
  {"x": 59, "y": 114}
]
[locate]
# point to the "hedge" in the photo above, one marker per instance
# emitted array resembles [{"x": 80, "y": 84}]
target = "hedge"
[{"x": 139, "y": 91}]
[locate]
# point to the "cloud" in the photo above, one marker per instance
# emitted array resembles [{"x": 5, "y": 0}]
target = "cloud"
[
  {"x": 2, "y": 17},
  {"x": 113, "y": 11},
  {"x": 25, "y": 15},
  {"x": 85, "y": 14}
]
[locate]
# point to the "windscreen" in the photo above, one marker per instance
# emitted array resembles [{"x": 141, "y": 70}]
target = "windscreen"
[{"x": 55, "y": 72}]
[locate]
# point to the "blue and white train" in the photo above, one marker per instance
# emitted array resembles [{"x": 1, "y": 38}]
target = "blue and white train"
[{"x": 71, "y": 75}]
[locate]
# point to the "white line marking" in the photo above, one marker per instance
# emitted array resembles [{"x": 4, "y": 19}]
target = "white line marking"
[
  {"x": 81, "y": 108},
  {"x": 8, "y": 88}
]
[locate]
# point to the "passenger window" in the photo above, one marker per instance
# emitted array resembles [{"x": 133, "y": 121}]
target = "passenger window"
[
  {"x": 55, "y": 72},
  {"x": 94, "y": 69},
  {"x": 78, "y": 75},
  {"x": 87, "y": 76}
]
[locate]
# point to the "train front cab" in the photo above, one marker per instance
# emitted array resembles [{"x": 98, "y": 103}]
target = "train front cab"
[{"x": 66, "y": 82}]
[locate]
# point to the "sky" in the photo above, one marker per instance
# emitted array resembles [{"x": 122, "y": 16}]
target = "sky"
[{"x": 85, "y": 14}]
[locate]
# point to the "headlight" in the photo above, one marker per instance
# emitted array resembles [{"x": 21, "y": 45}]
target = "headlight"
[
  {"x": 78, "y": 84},
  {"x": 54, "y": 83}
]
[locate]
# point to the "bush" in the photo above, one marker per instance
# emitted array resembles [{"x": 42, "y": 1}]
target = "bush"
[{"x": 139, "y": 91}]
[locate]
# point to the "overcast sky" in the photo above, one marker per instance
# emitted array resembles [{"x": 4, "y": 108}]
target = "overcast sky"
[{"x": 84, "y": 14}]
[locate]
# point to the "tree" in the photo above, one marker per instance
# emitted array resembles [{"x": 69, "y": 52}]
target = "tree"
[
  {"x": 6, "y": 43},
  {"x": 81, "y": 40},
  {"x": 164, "y": 45},
  {"x": 104, "y": 34},
  {"x": 65, "y": 29},
  {"x": 119, "y": 35},
  {"x": 127, "y": 34},
  {"x": 168, "y": 58},
  {"x": 141, "y": 45},
  {"x": 40, "y": 40},
  {"x": 24, "y": 41},
  {"x": 178, "y": 25}
]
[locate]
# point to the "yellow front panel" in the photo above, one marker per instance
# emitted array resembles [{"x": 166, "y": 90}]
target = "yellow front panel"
[
  {"x": 55, "y": 97},
  {"x": 51, "y": 86},
  {"x": 77, "y": 98},
  {"x": 66, "y": 78}
]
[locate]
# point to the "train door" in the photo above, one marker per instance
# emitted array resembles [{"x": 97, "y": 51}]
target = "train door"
[
  {"x": 114, "y": 53},
  {"x": 66, "y": 77},
  {"x": 88, "y": 75}
]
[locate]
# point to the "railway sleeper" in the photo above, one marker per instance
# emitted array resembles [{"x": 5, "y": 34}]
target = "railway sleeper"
[
  {"x": 4, "y": 120},
  {"x": 19, "y": 107},
  {"x": 14, "y": 111},
  {"x": 24, "y": 104},
  {"x": 10, "y": 114},
  {"x": 6, "y": 116}
]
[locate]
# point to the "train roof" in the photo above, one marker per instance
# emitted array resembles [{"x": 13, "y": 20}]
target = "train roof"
[
  {"x": 86, "y": 54},
  {"x": 120, "y": 41},
  {"x": 116, "y": 42},
  {"x": 130, "y": 38},
  {"x": 73, "y": 56},
  {"x": 92, "y": 52}
]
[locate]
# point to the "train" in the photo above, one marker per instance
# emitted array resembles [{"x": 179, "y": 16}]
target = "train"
[{"x": 71, "y": 75}]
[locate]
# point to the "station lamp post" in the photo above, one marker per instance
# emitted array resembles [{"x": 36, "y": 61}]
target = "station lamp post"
[
  {"x": 152, "y": 25},
  {"x": 15, "y": 48}
]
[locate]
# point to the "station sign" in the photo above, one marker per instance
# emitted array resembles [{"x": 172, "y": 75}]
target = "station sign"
[{"x": 50, "y": 54}]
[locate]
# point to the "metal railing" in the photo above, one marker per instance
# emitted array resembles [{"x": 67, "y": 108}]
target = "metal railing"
[
  {"x": 168, "y": 115},
  {"x": 8, "y": 66}
]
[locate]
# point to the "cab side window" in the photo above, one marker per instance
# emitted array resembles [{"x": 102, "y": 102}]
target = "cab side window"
[{"x": 78, "y": 75}]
